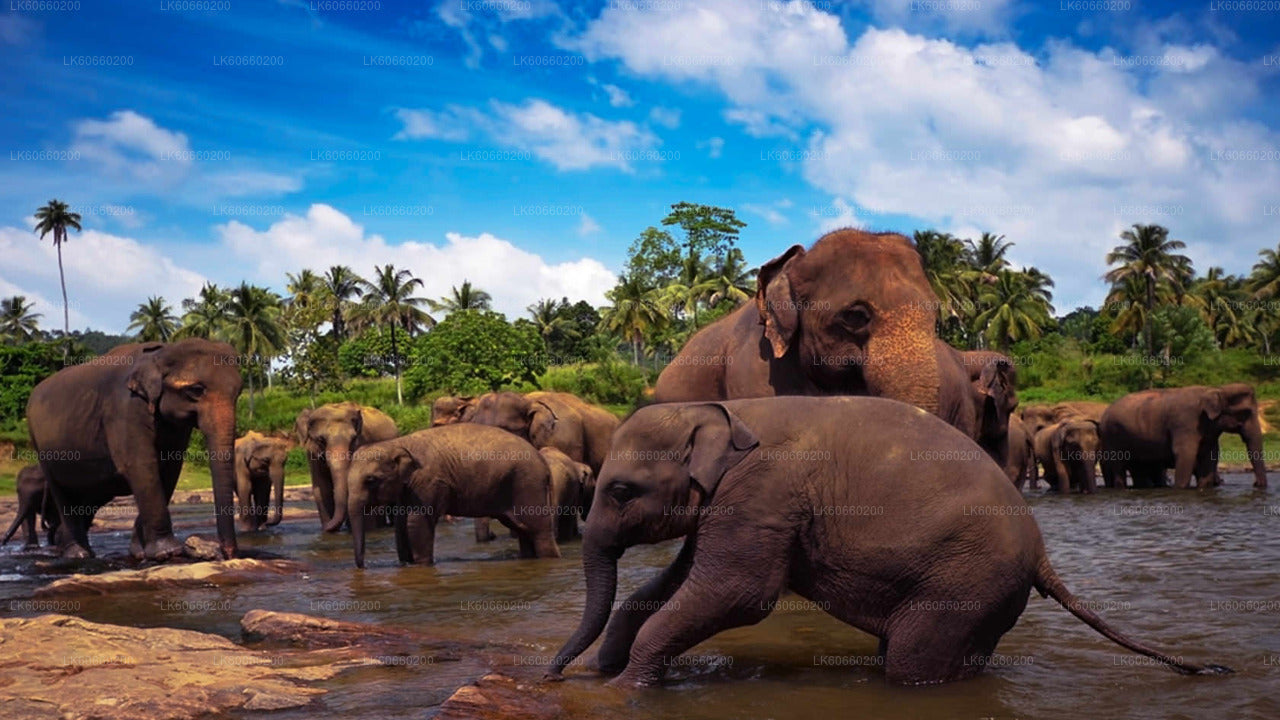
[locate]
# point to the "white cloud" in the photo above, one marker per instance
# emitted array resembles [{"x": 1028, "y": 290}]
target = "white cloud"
[
  {"x": 567, "y": 140},
  {"x": 771, "y": 214},
  {"x": 714, "y": 146},
  {"x": 588, "y": 226},
  {"x": 1058, "y": 151},
  {"x": 488, "y": 20},
  {"x": 617, "y": 96},
  {"x": 133, "y": 144},
  {"x": 839, "y": 214},
  {"x": 666, "y": 117},
  {"x": 975, "y": 17}
]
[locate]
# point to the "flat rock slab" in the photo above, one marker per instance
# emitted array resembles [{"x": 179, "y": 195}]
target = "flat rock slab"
[
  {"x": 388, "y": 644},
  {"x": 200, "y": 574},
  {"x": 499, "y": 697},
  {"x": 58, "y": 666}
]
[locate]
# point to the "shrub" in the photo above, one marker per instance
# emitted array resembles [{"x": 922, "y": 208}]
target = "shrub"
[{"x": 474, "y": 351}]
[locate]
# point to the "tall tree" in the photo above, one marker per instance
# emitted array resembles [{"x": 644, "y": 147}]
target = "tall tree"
[
  {"x": 731, "y": 280},
  {"x": 987, "y": 253},
  {"x": 55, "y": 217},
  {"x": 305, "y": 289},
  {"x": 635, "y": 312},
  {"x": 945, "y": 267},
  {"x": 1264, "y": 283},
  {"x": 1149, "y": 257},
  {"x": 342, "y": 286},
  {"x": 154, "y": 320},
  {"x": 253, "y": 328},
  {"x": 17, "y": 322},
  {"x": 205, "y": 315},
  {"x": 708, "y": 231},
  {"x": 467, "y": 297},
  {"x": 389, "y": 301},
  {"x": 549, "y": 318},
  {"x": 1012, "y": 311}
]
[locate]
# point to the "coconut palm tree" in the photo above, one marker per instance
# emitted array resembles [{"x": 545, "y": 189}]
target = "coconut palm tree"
[
  {"x": 635, "y": 312},
  {"x": 547, "y": 316},
  {"x": 154, "y": 320},
  {"x": 341, "y": 285},
  {"x": 253, "y": 328},
  {"x": 987, "y": 254},
  {"x": 17, "y": 322},
  {"x": 943, "y": 258},
  {"x": 389, "y": 301},
  {"x": 305, "y": 289},
  {"x": 732, "y": 280},
  {"x": 55, "y": 217},
  {"x": 205, "y": 315},
  {"x": 1150, "y": 257},
  {"x": 1012, "y": 311},
  {"x": 1264, "y": 280},
  {"x": 466, "y": 297}
]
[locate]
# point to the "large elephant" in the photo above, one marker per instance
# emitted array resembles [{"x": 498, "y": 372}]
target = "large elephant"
[
  {"x": 800, "y": 493},
  {"x": 1146, "y": 432},
  {"x": 571, "y": 482},
  {"x": 1068, "y": 450},
  {"x": 330, "y": 434},
  {"x": 121, "y": 423},
  {"x": 451, "y": 409},
  {"x": 260, "y": 472},
  {"x": 854, "y": 315},
  {"x": 461, "y": 469},
  {"x": 33, "y": 500},
  {"x": 1020, "y": 465}
]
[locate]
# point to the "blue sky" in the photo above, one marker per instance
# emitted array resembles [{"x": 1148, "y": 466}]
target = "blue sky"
[{"x": 523, "y": 144}]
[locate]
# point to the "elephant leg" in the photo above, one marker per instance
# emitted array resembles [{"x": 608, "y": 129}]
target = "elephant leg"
[
  {"x": 627, "y": 620},
  {"x": 1184, "y": 458},
  {"x": 73, "y": 531},
  {"x": 1111, "y": 473},
  {"x": 522, "y": 534},
  {"x": 421, "y": 531},
  {"x": 323, "y": 495},
  {"x": 404, "y": 551},
  {"x": 932, "y": 647},
  {"x": 261, "y": 497},
  {"x": 1064, "y": 476},
  {"x": 566, "y": 526},
  {"x": 484, "y": 533}
]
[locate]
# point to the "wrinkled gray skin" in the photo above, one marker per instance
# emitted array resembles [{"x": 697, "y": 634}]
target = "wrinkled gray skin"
[
  {"x": 33, "y": 500},
  {"x": 571, "y": 481},
  {"x": 450, "y": 409},
  {"x": 991, "y": 400},
  {"x": 120, "y": 424},
  {"x": 1146, "y": 432},
  {"x": 1037, "y": 417},
  {"x": 464, "y": 470},
  {"x": 822, "y": 497},
  {"x": 259, "y": 472},
  {"x": 1068, "y": 450},
  {"x": 1020, "y": 465},
  {"x": 330, "y": 434}
]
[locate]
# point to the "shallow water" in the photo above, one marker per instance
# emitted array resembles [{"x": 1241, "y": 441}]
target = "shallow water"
[{"x": 1197, "y": 574}]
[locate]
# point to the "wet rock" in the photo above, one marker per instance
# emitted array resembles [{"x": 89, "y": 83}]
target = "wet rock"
[
  {"x": 57, "y": 666},
  {"x": 200, "y": 574},
  {"x": 195, "y": 498},
  {"x": 388, "y": 644},
  {"x": 498, "y": 697},
  {"x": 199, "y": 548}
]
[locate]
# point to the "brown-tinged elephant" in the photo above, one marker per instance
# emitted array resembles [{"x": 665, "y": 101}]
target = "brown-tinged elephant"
[
  {"x": 985, "y": 411},
  {"x": 33, "y": 500},
  {"x": 1068, "y": 450},
  {"x": 120, "y": 424},
  {"x": 1039, "y": 416},
  {"x": 259, "y": 473},
  {"x": 799, "y": 493},
  {"x": 449, "y": 409},
  {"x": 464, "y": 470},
  {"x": 330, "y": 434},
  {"x": 571, "y": 482},
  {"x": 1146, "y": 432},
  {"x": 853, "y": 315},
  {"x": 1020, "y": 465}
]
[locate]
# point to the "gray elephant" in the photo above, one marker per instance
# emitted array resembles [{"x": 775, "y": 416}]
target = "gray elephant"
[
  {"x": 260, "y": 471},
  {"x": 464, "y": 470},
  {"x": 449, "y": 409},
  {"x": 1020, "y": 465},
  {"x": 33, "y": 500},
  {"x": 1146, "y": 432},
  {"x": 330, "y": 434},
  {"x": 120, "y": 424},
  {"x": 875, "y": 510},
  {"x": 985, "y": 414},
  {"x": 1037, "y": 417},
  {"x": 571, "y": 481},
  {"x": 1068, "y": 450}
]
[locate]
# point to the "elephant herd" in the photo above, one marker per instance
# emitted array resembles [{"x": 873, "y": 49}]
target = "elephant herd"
[{"x": 883, "y": 508}]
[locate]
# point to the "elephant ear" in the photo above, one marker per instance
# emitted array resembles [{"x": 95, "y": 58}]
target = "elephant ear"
[
  {"x": 147, "y": 380},
  {"x": 542, "y": 424},
  {"x": 998, "y": 393},
  {"x": 778, "y": 310},
  {"x": 406, "y": 463},
  {"x": 718, "y": 441},
  {"x": 357, "y": 420},
  {"x": 1214, "y": 403},
  {"x": 301, "y": 424}
]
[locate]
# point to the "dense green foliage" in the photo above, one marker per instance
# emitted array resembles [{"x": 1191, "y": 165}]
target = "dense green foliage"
[
  {"x": 472, "y": 352},
  {"x": 22, "y": 367}
]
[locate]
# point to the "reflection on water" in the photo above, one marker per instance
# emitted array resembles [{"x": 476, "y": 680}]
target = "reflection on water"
[{"x": 1196, "y": 574}]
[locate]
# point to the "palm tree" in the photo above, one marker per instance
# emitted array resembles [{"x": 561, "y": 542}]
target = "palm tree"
[
  {"x": 253, "y": 328},
  {"x": 943, "y": 258},
  {"x": 341, "y": 285},
  {"x": 1264, "y": 283},
  {"x": 389, "y": 301},
  {"x": 547, "y": 317},
  {"x": 732, "y": 280},
  {"x": 987, "y": 254},
  {"x": 17, "y": 322},
  {"x": 466, "y": 297},
  {"x": 305, "y": 289},
  {"x": 635, "y": 312},
  {"x": 1013, "y": 311},
  {"x": 1149, "y": 256},
  {"x": 154, "y": 320},
  {"x": 205, "y": 315},
  {"x": 56, "y": 217}
]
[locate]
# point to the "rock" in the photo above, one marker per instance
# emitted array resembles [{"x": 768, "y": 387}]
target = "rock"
[
  {"x": 201, "y": 574},
  {"x": 199, "y": 548},
  {"x": 57, "y": 666},
  {"x": 498, "y": 697},
  {"x": 388, "y": 644},
  {"x": 195, "y": 498}
]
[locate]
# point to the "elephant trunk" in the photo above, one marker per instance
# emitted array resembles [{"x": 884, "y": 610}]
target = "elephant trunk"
[
  {"x": 902, "y": 364},
  {"x": 339, "y": 461},
  {"x": 1252, "y": 435},
  {"x": 277, "y": 488},
  {"x": 219, "y": 427},
  {"x": 600, "y": 565},
  {"x": 359, "y": 504}
]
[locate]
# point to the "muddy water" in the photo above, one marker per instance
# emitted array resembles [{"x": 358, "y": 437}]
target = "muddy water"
[{"x": 1198, "y": 574}]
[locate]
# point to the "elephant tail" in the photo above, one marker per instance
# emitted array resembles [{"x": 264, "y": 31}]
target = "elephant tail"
[{"x": 1048, "y": 584}]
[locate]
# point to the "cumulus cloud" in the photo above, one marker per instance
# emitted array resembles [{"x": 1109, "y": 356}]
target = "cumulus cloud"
[
  {"x": 567, "y": 140},
  {"x": 588, "y": 226},
  {"x": 666, "y": 117},
  {"x": 617, "y": 96},
  {"x": 134, "y": 144},
  {"x": 770, "y": 213}
]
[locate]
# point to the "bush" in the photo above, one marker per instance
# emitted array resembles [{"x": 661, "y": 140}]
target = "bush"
[
  {"x": 607, "y": 383},
  {"x": 22, "y": 367},
  {"x": 472, "y": 352}
]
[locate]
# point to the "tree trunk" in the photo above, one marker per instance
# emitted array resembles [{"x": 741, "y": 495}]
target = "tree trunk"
[
  {"x": 66, "y": 312},
  {"x": 395, "y": 360},
  {"x": 251, "y": 394}
]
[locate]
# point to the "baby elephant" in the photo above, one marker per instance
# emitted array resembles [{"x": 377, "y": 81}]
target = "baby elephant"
[
  {"x": 259, "y": 473},
  {"x": 33, "y": 500},
  {"x": 463, "y": 469},
  {"x": 879, "y": 512},
  {"x": 1069, "y": 452},
  {"x": 571, "y": 485}
]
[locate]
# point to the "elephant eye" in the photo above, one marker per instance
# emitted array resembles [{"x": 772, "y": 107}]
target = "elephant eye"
[
  {"x": 855, "y": 319},
  {"x": 194, "y": 391},
  {"x": 623, "y": 491}
]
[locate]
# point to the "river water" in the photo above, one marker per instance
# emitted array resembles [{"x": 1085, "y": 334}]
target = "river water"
[{"x": 1197, "y": 574}]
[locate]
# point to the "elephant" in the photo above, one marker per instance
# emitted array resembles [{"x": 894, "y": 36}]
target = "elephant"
[
  {"x": 33, "y": 499},
  {"x": 460, "y": 469},
  {"x": 1021, "y": 461},
  {"x": 1068, "y": 450},
  {"x": 854, "y": 315},
  {"x": 850, "y": 502},
  {"x": 121, "y": 423},
  {"x": 451, "y": 409},
  {"x": 1146, "y": 432},
  {"x": 1038, "y": 417},
  {"x": 991, "y": 402},
  {"x": 330, "y": 434},
  {"x": 259, "y": 471},
  {"x": 571, "y": 481}
]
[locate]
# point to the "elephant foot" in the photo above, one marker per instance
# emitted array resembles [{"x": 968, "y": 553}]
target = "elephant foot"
[
  {"x": 76, "y": 552},
  {"x": 164, "y": 548},
  {"x": 135, "y": 549}
]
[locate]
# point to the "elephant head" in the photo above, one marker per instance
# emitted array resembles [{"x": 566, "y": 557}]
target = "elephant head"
[
  {"x": 858, "y": 314},
  {"x": 195, "y": 383},
  {"x": 657, "y": 475},
  {"x": 449, "y": 409},
  {"x": 330, "y": 435},
  {"x": 379, "y": 474},
  {"x": 995, "y": 387},
  {"x": 1037, "y": 418},
  {"x": 518, "y": 414},
  {"x": 1077, "y": 445},
  {"x": 1233, "y": 408},
  {"x": 259, "y": 456}
]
